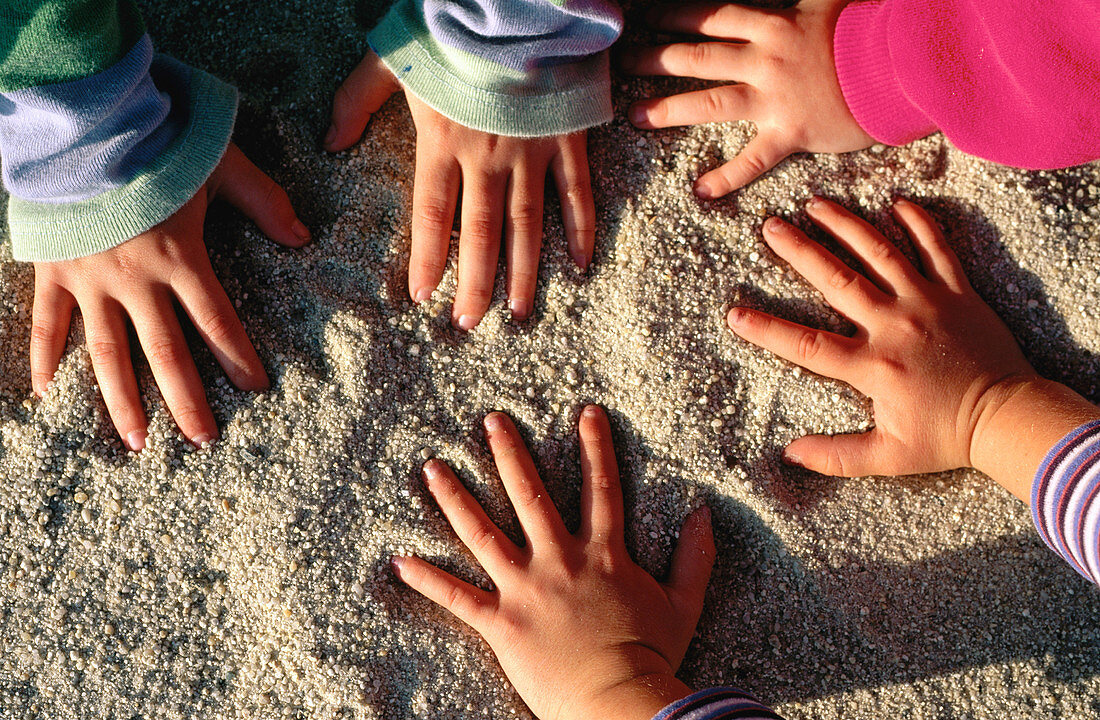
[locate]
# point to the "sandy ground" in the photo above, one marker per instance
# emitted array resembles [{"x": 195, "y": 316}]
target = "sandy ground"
[{"x": 251, "y": 580}]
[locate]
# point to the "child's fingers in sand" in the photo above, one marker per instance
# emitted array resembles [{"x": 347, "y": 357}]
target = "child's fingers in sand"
[
  {"x": 847, "y": 291},
  {"x": 490, "y": 547},
  {"x": 848, "y": 455},
  {"x": 246, "y": 187},
  {"x": 51, "y": 316},
  {"x": 478, "y": 244},
  {"x": 720, "y": 104},
  {"x": 158, "y": 330},
  {"x": 436, "y": 182},
  {"x": 574, "y": 183},
  {"x": 601, "y": 493},
  {"x": 882, "y": 261},
  {"x": 937, "y": 259},
  {"x": 109, "y": 349},
  {"x": 713, "y": 19},
  {"x": 537, "y": 514},
  {"x": 818, "y": 351},
  {"x": 523, "y": 237},
  {"x": 361, "y": 94},
  {"x": 468, "y": 603}
]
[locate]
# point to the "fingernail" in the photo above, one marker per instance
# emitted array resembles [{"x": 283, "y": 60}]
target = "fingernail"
[
  {"x": 300, "y": 230},
  {"x": 792, "y": 459},
  {"x": 398, "y": 564},
  {"x": 422, "y": 294},
  {"x": 704, "y": 190},
  {"x": 330, "y": 136},
  {"x": 814, "y": 203},
  {"x": 591, "y": 411},
  {"x": 135, "y": 440},
  {"x": 735, "y": 316},
  {"x": 467, "y": 322},
  {"x": 638, "y": 114},
  {"x": 494, "y": 422},
  {"x": 520, "y": 309},
  {"x": 202, "y": 439},
  {"x": 432, "y": 469},
  {"x": 579, "y": 260},
  {"x": 773, "y": 224},
  {"x": 704, "y": 514}
]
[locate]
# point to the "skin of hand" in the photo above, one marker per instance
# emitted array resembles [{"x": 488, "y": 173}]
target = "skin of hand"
[
  {"x": 141, "y": 281},
  {"x": 949, "y": 385},
  {"x": 578, "y": 627},
  {"x": 501, "y": 180},
  {"x": 781, "y": 62}
]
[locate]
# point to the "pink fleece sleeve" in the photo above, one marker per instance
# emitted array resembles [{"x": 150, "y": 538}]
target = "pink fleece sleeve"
[{"x": 1016, "y": 82}]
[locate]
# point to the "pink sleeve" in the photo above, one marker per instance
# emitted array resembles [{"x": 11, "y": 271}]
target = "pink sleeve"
[{"x": 1015, "y": 82}]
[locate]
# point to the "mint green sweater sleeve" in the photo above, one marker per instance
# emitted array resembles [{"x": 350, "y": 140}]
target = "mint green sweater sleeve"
[
  {"x": 509, "y": 67},
  {"x": 100, "y": 138}
]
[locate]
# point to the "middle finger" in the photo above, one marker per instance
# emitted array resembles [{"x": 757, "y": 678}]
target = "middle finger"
[{"x": 478, "y": 246}]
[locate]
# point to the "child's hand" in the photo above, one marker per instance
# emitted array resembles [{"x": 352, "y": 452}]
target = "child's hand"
[
  {"x": 935, "y": 360},
  {"x": 786, "y": 83},
  {"x": 142, "y": 280},
  {"x": 580, "y": 630},
  {"x": 501, "y": 179}
]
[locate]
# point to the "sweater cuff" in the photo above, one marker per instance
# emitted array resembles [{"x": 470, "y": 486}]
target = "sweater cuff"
[
  {"x": 867, "y": 78},
  {"x": 42, "y": 231},
  {"x": 1065, "y": 499},
  {"x": 488, "y": 96},
  {"x": 717, "y": 703}
]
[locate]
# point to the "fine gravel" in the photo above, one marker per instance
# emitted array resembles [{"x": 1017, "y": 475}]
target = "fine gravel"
[{"x": 251, "y": 580}]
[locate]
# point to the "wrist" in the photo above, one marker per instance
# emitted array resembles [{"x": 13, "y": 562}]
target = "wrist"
[
  {"x": 638, "y": 698},
  {"x": 1018, "y": 419}
]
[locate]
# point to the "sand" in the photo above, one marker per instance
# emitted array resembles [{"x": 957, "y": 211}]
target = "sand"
[{"x": 250, "y": 580}]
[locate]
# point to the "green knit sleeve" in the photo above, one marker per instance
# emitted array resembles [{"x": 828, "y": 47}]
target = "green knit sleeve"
[
  {"x": 507, "y": 84},
  {"x": 79, "y": 38}
]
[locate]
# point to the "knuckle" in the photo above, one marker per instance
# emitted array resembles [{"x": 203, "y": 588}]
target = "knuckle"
[
  {"x": 189, "y": 415},
  {"x": 842, "y": 278},
  {"x": 752, "y": 164},
  {"x": 698, "y": 54},
  {"x": 42, "y": 333},
  {"x": 482, "y": 537},
  {"x": 103, "y": 351},
  {"x": 602, "y": 481},
  {"x": 479, "y": 228},
  {"x": 434, "y": 214},
  {"x": 454, "y": 599},
  {"x": 835, "y": 463},
  {"x": 778, "y": 26},
  {"x": 220, "y": 326},
  {"x": 526, "y": 218},
  {"x": 809, "y": 346},
  {"x": 165, "y": 351}
]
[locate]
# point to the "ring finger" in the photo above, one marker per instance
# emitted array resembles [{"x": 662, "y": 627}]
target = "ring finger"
[{"x": 165, "y": 347}]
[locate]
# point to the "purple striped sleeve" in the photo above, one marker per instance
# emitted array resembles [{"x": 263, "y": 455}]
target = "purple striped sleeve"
[
  {"x": 1065, "y": 500},
  {"x": 718, "y": 703}
]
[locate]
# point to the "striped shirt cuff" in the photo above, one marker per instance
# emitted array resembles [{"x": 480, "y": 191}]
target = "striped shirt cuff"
[
  {"x": 1065, "y": 500},
  {"x": 719, "y": 703}
]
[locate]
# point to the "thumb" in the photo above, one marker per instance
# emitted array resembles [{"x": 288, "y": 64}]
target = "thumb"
[
  {"x": 251, "y": 191},
  {"x": 760, "y": 155},
  {"x": 692, "y": 562},
  {"x": 852, "y": 455},
  {"x": 368, "y": 86}
]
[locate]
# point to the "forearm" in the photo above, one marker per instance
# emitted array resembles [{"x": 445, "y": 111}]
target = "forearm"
[
  {"x": 527, "y": 68},
  {"x": 1020, "y": 420},
  {"x": 1008, "y": 82}
]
